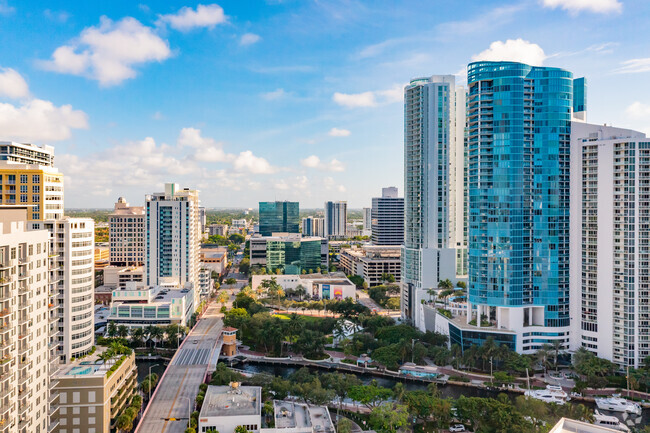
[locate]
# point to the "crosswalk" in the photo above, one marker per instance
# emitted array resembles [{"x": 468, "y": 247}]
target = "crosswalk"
[{"x": 192, "y": 356}]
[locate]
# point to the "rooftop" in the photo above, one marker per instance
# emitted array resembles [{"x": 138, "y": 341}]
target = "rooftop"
[
  {"x": 566, "y": 425},
  {"x": 89, "y": 366},
  {"x": 157, "y": 294},
  {"x": 296, "y": 415},
  {"x": 232, "y": 400},
  {"x": 331, "y": 278}
]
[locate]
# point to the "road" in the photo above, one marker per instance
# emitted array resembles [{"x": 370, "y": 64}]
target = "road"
[{"x": 183, "y": 376}]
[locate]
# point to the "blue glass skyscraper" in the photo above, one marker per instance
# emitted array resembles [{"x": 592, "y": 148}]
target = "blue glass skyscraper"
[
  {"x": 279, "y": 217},
  {"x": 519, "y": 126}
]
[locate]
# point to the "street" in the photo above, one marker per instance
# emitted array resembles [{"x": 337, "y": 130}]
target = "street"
[{"x": 174, "y": 396}]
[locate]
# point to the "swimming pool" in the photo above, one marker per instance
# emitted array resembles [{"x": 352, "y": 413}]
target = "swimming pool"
[{"x": 80, "y": 371}]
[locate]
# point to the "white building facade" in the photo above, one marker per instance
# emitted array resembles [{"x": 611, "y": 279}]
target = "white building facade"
[
  {"x": 126, "y": 234},
  {"x": 434, "y": 185},
  {"x": 336, "y": 217}
]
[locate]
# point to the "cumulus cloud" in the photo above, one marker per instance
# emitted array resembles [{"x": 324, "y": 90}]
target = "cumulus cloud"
[
  {"x": 187, "y": 18},
  {"x": 274, "y": 95},
  {"x": 12, "y": 84},
  {"x": 246, "y": 161},
  {"x": 207, "y": 149},
  {"x": 370, "y": 99},
  {"x": 249, "y": 39},
  {"x": 634, "y": 66},
  {"x": 39, "y": 120},
  {"x": 576, "y": 6},
  {"x": 337, "y": 132},
  {"x": 514, "y": 50},
  {"x": 640, "y": 114},
  {"x": 314, "y": 161},
  {"x": 109, "y": 52}
]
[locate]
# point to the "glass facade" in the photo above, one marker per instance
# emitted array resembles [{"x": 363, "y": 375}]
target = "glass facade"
[
  {"x": 279, "y": 217},
  {"x": 580, "y": 94},
  {"x": 292, "y": 257},
  {"x": 465, "y": 339},
  {"x": 519, "y": 126}
]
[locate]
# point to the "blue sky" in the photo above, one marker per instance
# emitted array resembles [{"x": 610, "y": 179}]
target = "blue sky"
[{"x": 253, "y": 100}]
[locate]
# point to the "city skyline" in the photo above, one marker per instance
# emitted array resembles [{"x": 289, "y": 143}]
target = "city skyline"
[{"x": 281, "y": 101}]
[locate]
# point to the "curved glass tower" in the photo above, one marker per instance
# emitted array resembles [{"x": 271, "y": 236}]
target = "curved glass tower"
[{"x": 519, "y": 126}]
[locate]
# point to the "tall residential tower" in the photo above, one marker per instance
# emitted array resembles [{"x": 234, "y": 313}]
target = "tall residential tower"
[
  {"x": 387, "y": 218},
  {"x": 434, "y": 238},
  {"x": 336, "y": 218}
]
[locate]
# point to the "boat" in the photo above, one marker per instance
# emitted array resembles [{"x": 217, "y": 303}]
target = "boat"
[
  {"x": 609, "y": 422},
  {"x": 617, "y": 404},
  {"x": 545, "y": 396},
  {"x": 558, "y": 392}
]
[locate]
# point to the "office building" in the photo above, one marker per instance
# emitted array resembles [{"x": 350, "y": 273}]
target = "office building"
[
  {"x": 371, "y": 262},
  {"x": 172, "y": 237},
  {"x": 126, "y": 234},
  {"x": 519, "y": 127},
  {"x": 25, "y": 335},
  {"x": 610, "y": 248},
  {"x": 138, "y": 305},
  {"x": 387, "y": 218},
  {"x": 118, "y": 276},
  {"x": 313, "y": 226},
  {"x": 367, "y": 219},
  {"x": 434, "y": 182},
  {"x": 291, "y": 253},
  {"x": 27, "y": 177},
  {"x": 214, "y": 258},
  {"x": 336, "y": 219},
  {"x": 278, "y": 217},
  {"x": 203, "y": 218},
  {"x": 218, "y": 230},
  {"x": 91, "y": 396},
  {"x": 73, "y": 240}
]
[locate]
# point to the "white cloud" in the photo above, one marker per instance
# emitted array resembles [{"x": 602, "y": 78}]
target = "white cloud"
[
  {"x": 57, "y": 16},
  {"x": 640, "y": 113},
  {"x": 370, "y": 99},
  {"x": 187, "y": 18},
  {"x": 274, "y": 95},
  {"x": 315, "y": 162},
  {"x": 207, "y": 149},
  {"x": 39, "y": 120},
  {"x": 246, "y": 161},
  {"x": 336, "y": 132},
  {"x": 109, "y": 52},
  {"x": 576, "y": 6},
  {"x": 633, "y": 66},
  {"x": 514, "y": 50},
  {"x": 249, "y": 39},
  {"x": 354, "y": 100},
  {"x": 12, "y": 84}
]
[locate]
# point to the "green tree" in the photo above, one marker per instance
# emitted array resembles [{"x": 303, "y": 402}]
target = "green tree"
[
  {"x": 122, "y": 331},
  {"x": 124, "y": 423},
  {"x": 388, "y": 418},
  {"x": 230, "y": 281},
  {"x": 344, "y": 426},
  {"x": 111, "y": 330},
  {"x": 369, "y": 395},
  {"x": 172, "y": 332},
  {"x": 222, "y": 297},
  {"x": 241, "y": 429}
]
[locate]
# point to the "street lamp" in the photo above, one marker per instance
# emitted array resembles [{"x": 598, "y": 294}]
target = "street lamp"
[
  {"x": 155, "y": 365},
  {"x": 189, "y": 410}
]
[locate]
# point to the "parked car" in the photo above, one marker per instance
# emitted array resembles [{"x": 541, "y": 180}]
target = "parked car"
[{"x": 457, "y": 428}]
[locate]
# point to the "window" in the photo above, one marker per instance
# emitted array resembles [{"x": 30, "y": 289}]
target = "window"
[
  {"x": 23, "y": 189},
  {"x": 36, "y": 178},
  {"x": 23, "y": 178},
  {"x": 23, "y": 198},
  {"x": 63, "y": 397},
  {"x": 76, "y": 397},
  {"x": 36, "y": 189}
]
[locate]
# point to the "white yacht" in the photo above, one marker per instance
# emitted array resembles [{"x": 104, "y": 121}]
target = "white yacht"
[
  {"x": 558, "y": 392},
  {"x": 617, "y": 404},
  {"x": 546, "y": 396},
  {"x": 609, "y": 422}
]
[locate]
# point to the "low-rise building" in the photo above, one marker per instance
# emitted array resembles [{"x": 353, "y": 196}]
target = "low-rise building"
[
  {"x": 92, "y": 394},
  {"x": 292, "y": 417},
  {"x": 117, "y": 276},
  {"x": 206, "y": 283},
  {"x": 102, "y": 256},
  {"x": 319, "y": 286},
  {"x": 139, "y": 306},
  {"x": 214, "y": 258},
  {"x": 218, "y": 230},
  {"x": 371, "y": 262},
  {"x": 227, "y": 407},
  {"x": 291, "y": 253}
]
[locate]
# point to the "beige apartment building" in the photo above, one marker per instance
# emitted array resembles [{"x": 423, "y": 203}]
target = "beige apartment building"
[
  {"x": 91, "y": 397},
  {"x": 25, "y": 354},
  {"x": 126, "y": 234},
  {"x": 371, "y": 262}
]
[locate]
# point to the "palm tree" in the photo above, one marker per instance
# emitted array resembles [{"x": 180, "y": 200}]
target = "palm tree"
[
  {"x": 105, "y": 356},
  {"x": 157, "y": 334},
  {"x": 124, "y": 423},
  {"x": 296, "y": 325},
  {"x": 543, "y": 354},
  {"x": 557, "y": 347},
  {"x": 148, "y": 331},
  {"x": 122, "y": 331},
  {"x": 300, "y": 291},
  {"x": 137, "y": 335},
  {"x": 399, "y": 391},
  {"x": 457, "y": 354},
  {"x": 111, "y": 331}
]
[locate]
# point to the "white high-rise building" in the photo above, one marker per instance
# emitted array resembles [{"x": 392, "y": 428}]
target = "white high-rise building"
[
  {"x": 336, "y": 218},
  {"x": 610, "y": 245},
  {"x": 25, "y": 368},
  {"x": 387, "y": 218},
  {"x": 367, "y": 219},
  {"x": 434, "y": 183},
  {"x": 313, "y": 226},
  {"x": 173, "y": 238},
  {"x": 126, "y": 234},
  {"x": 73, "y": 240}
]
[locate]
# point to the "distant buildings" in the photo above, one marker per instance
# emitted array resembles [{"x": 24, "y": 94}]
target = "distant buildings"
[
  {"x": 172, "y": 237},
  {"x": 434, "y": 182},
  {"x": 138, "y": 305},
  {"x": 291, "y": 253},
  {"x": 90, "y": 399},
  {"x": 25, "y": 349},
  {"x": 313, "y": 226},
  {"x": 387, "y": 218},
  {"x": 214, "y": 258},
  {"x": 126, "y": 234},
  {"x": 279, "y": 217},
  {"x": 367, "y": 219},
  {"x": 218, "y": 230},
  {"x": 336, "y": 217},
  {"x": 371, "y": 262}
]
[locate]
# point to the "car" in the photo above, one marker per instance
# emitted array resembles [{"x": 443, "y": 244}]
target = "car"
[
  {"x": 195, "y": 341},
  {"x": 457, "y": 428}
]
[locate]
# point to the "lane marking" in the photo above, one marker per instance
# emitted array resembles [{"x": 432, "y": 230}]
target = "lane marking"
[{"x": 174, "y": 402}]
